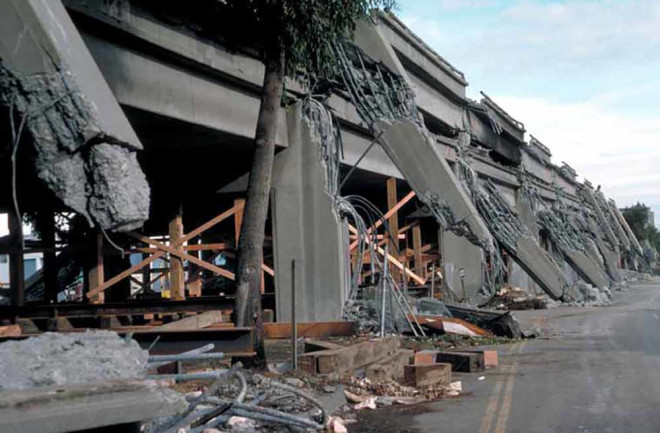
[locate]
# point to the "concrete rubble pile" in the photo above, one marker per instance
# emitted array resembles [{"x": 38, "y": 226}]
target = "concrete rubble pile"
[
  {"x": 52, "y": 359},
  {"x": 60, "y": 382}
]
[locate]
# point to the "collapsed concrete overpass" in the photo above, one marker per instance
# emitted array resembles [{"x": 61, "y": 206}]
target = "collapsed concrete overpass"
[{"x": 194, "y": 106}]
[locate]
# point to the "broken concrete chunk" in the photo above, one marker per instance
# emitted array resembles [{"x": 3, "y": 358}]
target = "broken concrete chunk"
[
  {"x": 84, "y": 147},
  {"x": 389, "y": 368},
  {"x": 348, "y": 358},
  {"x": 427, "y": 374},
  {"x": 119, "y": 196},
  {"x": 69, "y": 358}
]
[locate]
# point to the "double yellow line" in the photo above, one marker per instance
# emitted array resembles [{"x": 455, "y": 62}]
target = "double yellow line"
[{"x": 509, "y": 373}]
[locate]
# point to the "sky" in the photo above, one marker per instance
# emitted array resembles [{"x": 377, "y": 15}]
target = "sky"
[{"x": 583, "y": 76}]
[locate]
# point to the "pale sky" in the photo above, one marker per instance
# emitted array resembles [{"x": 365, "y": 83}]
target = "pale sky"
[{"x": 583, "y": 76}]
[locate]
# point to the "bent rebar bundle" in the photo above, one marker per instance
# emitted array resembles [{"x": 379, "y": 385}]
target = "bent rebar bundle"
[
  {"x": 381, "y": 95},
  {"x": 356, "y": 209}
]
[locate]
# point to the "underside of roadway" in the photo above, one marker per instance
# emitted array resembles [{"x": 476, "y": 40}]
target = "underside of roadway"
[{"x": 594, "y": 370}]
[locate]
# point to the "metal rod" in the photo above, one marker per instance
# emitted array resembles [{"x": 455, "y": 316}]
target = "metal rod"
[
  {"x": 294, "y": 325},
  {"x": 188, "y": 376},
  {"x": 433, "y": 279},
  {"x": 383, "y": 292},
  {"x": 203, "y": 349},
  {"x": 343, "y": 181},
  {"x": 185, "y": 357}
]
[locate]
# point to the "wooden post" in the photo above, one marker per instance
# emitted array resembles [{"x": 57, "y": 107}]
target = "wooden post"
[
  {"x": 194, "y": 279},
  {"x": 393, "y": 222},
  {"x": 177, "y": 277},
  {"x": 96, "y": 275},
  {"x": 417, "y": 250},
  {"x": 16, "y": 269},
  {"x": 46, "y": 225}
]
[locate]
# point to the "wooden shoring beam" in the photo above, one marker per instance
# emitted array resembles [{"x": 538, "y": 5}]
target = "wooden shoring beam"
[
  {"x": 381, "y": 237},
  {"x": 193, "y": 285},
  {"x": 183, "y": 256},
  {"x": 194, "y": 247},
  {"x": 419, "y": 280},
  {"x": 393, "y": 220},
  {"x": 388, "y": 214},
  {"x": 177, "y": 275},
  {"x": 159, "y": 254},
  {"x": 117, "y": 278},
  {"x": 96, "y": 274},
  {"x": 195, "y": 277},
  {"x": 264, "y": 267},
  {"x": 417, "y": 249}
]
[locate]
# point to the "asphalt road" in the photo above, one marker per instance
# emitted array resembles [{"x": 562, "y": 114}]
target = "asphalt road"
[{"x": 594, "y": 370}]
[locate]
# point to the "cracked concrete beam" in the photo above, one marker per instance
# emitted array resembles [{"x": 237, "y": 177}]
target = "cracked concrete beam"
[
  {"x": 610, "y": 257},
  {"x": 415, "y": 153},
  {"x": 626, "y": 227},
  {"x": 587, "y": 193},
  {"x": 620, "y": 233},
  {"x": 85, "y": 147}
]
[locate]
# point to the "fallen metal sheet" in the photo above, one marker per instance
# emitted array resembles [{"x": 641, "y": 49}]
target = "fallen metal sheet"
[
  {"x": 451, "y": 325},
  {"x": 85, "y": 148},
  {"x": 85, "y": 407},
  {"x": 501, "y": 324}
]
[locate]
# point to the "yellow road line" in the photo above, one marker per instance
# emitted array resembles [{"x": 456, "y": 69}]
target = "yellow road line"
[
  {"x": 487, "y": 421},
  {"x": 505, "y": 408}
]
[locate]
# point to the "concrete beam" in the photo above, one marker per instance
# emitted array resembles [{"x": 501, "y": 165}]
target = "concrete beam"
[
  {"x": 68, "y": 106},
  {"x": 626, "y": 227},
  {"x": 146, "y": 83},
  {"x": 619, "y": 232},
  {"x": 428, "y": 174},
  {"x": 587, "y": 193},
  {"x": 85, "y": 407}
]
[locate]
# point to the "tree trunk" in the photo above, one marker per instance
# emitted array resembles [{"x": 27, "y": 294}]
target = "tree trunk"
[{"x": 250, "y": 245}]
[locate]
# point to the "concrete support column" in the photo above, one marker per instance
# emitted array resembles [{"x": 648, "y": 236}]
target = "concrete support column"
[
  {"x": 306, "y": 229},
  {"x": 458, "y": 253}
]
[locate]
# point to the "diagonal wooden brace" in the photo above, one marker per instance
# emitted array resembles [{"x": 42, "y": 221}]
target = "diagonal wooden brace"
[
  {"x": 183, "y": 256},
  {"x": 128, "y": 272}
]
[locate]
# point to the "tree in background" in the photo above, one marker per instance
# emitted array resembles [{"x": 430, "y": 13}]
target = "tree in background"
[
  {"x": 637, "y": 217},
  {"x": 289, "y": 36}
]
